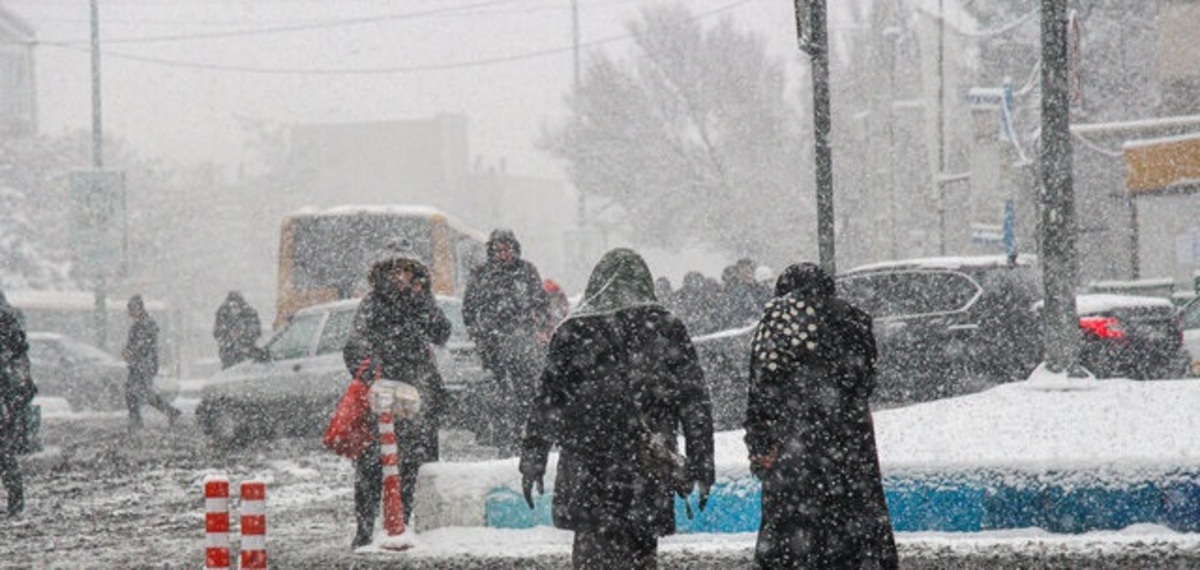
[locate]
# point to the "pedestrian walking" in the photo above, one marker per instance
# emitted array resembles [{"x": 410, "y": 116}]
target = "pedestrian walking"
[
  {"x": 16, "y": 393},
  {"x": 141, "y": 356},
  {"x": 621, "y": 381},
  {"x": 236, "y": 330},
  {"x": 810, "y": 434},
  {"x": 397, "y": 322},
  {"x": 504, "y": 309}
]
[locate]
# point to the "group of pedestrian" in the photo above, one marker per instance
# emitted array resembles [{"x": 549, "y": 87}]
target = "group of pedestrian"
[
  {"x": 615, "y": 385},
  {"x": 707, "y": 305}
]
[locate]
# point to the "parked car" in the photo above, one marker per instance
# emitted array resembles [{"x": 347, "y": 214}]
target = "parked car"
[
  {"x": 1131, "y": 336},
  {"x": 85, "y": 376},
  {"x": 950, "y": 325},
  {"x": 294, "y": 391},
  {"x": 1189, "y": 320}
]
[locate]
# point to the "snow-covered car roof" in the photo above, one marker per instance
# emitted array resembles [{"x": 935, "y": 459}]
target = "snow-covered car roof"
[{"x": 946, "y": 262}]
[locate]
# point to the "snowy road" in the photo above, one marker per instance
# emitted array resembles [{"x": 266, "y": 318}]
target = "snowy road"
[{"x": 98, "y": 498}]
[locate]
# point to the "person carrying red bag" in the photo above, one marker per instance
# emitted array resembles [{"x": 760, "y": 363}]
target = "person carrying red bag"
[{"x": 396, "y": 323}]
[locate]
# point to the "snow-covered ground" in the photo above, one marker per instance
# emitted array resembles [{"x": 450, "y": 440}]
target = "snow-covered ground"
[{"x": 101, "y": 498}]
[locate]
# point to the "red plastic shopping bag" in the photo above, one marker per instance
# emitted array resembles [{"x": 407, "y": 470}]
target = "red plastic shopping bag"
[{"x": 349, "y": 432}]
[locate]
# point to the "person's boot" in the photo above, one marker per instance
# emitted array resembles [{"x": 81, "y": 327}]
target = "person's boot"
[
  {"x": 16, "y": 501},
  {"x": 364, "y": 535},
  {"x": 173, "y": 417}
]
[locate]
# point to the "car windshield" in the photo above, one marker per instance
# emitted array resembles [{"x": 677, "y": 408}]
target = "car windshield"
[
  {"x": 296, "y": 339},
  {"x": 908, "y": 292}
]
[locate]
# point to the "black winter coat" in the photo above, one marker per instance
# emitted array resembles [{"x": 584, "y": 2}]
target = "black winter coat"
[
  {"x": 812, "y": 372},
  {"x": 16, "y": 386},
  {"x": 586, "y": 404},
  {"x": 236, "y": 329},
  {"x": 397, "y": 331},
  {"x": 141, "y": 348},
  {"x": 503, "y": 298}
]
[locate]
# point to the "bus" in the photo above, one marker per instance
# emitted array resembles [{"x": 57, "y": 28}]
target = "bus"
[{"x": 324, "y": 255}]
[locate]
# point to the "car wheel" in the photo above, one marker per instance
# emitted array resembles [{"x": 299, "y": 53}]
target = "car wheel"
[{"x": 224, "y": 426}]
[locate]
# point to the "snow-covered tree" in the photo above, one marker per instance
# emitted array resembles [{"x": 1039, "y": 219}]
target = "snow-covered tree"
[{"x": 694, "y": 137}]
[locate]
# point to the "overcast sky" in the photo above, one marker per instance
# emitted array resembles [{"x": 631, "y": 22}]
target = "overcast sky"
[{"x": 172, "y": 85}]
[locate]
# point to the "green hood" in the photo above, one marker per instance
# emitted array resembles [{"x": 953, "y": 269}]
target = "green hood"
[{"x": 621, "y": 280}]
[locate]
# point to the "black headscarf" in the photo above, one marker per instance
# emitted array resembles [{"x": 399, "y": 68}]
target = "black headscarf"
[{"x": 805, "y": 280}]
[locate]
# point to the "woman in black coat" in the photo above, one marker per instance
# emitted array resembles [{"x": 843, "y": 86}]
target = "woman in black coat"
[
  {"x": 618, "y": 360},
  {"x": 396, "y": 324},
  {"x": 809, "y": 431}
]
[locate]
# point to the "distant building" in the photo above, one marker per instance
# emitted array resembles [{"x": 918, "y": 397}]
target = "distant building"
[
  {"x": 427, "y": 161},
  {"x": 18, "y": 96}
]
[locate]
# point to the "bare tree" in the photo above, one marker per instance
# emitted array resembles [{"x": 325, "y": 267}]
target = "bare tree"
[{"x": 693, "y": 137}]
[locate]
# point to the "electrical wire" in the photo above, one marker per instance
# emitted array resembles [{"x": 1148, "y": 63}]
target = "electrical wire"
[{"x": 390, "y": 70}]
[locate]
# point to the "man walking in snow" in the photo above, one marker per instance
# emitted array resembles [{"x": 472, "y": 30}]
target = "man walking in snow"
[
  {"x": 16, "y": 393},
  {"x": 504, "y": 308},
  {"x": 141, "y": 355}
]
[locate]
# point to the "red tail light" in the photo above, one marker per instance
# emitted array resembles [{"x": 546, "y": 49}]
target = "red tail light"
[{"x": 1103, "y": 327}]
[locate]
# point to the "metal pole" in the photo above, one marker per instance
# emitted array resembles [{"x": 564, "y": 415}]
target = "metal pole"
[
  {"x": 819, "y": 51},
  {"x": 1058, "y": 213},
  {"x": 939, "y": 182},
  {"x": 101, "y": 317},
  {"x": 581, "y": 206}
]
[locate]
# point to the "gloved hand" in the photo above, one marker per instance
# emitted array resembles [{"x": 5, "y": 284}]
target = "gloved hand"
[
  {"x": 532, "y": 473},
  {"x": 703, "y": 489},
  {"x": 760, "y": 465}
]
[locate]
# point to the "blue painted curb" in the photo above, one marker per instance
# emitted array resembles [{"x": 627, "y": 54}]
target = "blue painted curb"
[{"x": 966, "y": 502}]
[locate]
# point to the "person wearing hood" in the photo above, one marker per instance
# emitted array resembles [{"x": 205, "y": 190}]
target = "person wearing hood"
[
  {"x": 620, "y": 367},
  {"x": 396, "y": 324},
  {"x": 236, "y": 330},
  {"x": 809, "y": 430},
  {"x": 16, "y": 393},
  {"x": 504, "y": 309}
]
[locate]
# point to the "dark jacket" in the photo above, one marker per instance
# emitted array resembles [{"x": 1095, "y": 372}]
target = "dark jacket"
[
  {"x": 396, "y": 330},
  {"x": 811, "y": 374},
  {"x": 627, "y": 358},
  {"x": 16, "y": 385},
  {"x": 236, "y": 329},
  {"x": 141, "y": 348},
  {"x": 504, "y": 297}
]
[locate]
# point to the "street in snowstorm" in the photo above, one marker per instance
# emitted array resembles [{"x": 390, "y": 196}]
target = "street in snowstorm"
[{"x": 99, "y": 498}]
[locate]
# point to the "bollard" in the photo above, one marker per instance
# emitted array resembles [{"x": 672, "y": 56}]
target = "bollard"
[
  {"x": 393, "y": 502},
  {"x": 216, "y": 523},
  {"x": 254, "y": 525}
]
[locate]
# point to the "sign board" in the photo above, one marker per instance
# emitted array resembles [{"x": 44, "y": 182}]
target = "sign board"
[
  {"x": 97, "y": 219},
  {"x": 1162, "y": 165}
]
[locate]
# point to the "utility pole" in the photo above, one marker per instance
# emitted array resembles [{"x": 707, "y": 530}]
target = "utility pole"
[
  {"x": 939, "y": 181},
  {"x": 1059, "y": 270},
  {"x": 814, "y": 40},
  {"x": 101, "y": 293},
  {"x": 581, "y": 202}
]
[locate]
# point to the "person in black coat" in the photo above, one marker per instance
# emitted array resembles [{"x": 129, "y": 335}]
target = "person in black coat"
[
  {"x": 16, "y": 392},
  {"x": 141, "y": 355},
  {"x": 620, "y": 367},
  {"x": 504, "y": 309},
  {"x": 236, "y": 330},
  {"x": 810, "y": 434},
  {"x": 394, "y": 329}
]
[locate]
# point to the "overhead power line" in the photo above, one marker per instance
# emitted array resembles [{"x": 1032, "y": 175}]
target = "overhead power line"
[
  {"x": 388, "y": 70},
  {"x": 291, "y": 28}
]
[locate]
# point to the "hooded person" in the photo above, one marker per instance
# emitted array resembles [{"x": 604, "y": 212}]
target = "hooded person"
[
  {"x": 141, "y": 356},
  {"x": 16, "y": 393},
  {"x": 619, "y": 366},
  {"x": 396, "y": 323},
  {"x": 809, "y": 430},
  {"x": 236, "y": 330},
  {"x": 504, "y": 308}
]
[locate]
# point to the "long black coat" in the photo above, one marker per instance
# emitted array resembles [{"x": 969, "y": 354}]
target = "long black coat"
[
  {"x": 812, "y": 371},
  {"x": 503, "y": 298},
  {"x": 236, "y": 330},
  {"x": 397, "y": 331},
  {"x": 587, "y": 405},
  {"x": 16, "y": 386},
  {"x": 141, "y": 349}
]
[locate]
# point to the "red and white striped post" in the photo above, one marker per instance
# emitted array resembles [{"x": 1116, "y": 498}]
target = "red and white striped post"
[
  {"x": 393, "y": 502},
  {"x": 254, "y": 525},
  {"x": 216, "y": 523}
]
